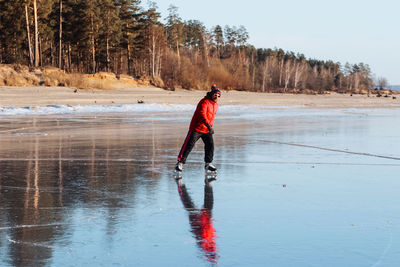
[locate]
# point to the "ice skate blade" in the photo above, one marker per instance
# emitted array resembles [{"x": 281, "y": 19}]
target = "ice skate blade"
[
  {"x": 210, "y": 177},
  {"x": 209, "y": 180}
]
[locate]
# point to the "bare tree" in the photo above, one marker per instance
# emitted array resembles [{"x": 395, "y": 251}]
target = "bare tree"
[
  {"x": 382, "y": 83},
  {"x": 28, "y": 35},
  {"x": 356, "y": 80},
  {"x": 281, "y": 71},
  {"x": 155, "y": 47},
  {"x": 93, "y": 44},
  {"x": 300, "y": 67},
  {"x": 207, "y": 42},
  {"x": 288, "y": 73},
  {"x": 36, "y": 35},
  {"x": 60, "y": 38},
  {"x": 265, "y": 72}
]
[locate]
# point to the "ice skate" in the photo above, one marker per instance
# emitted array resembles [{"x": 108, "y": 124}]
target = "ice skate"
[
  {"x": 178, "y": 170},
  {"x": 179, "y": 167},
  {"x": 210, "y": 168},
  {"x": 210, "y": 171}
]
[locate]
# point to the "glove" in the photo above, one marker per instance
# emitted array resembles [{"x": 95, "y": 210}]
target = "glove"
[{"x": 210, "y": 129}]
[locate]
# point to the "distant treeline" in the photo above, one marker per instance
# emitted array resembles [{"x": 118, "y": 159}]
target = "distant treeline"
[{"x": 120, "y": 36}]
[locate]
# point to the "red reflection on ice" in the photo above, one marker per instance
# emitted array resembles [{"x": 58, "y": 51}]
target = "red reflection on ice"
[
  {"x": 201, "y": 221},
  {"x": 208, "y": 235}
]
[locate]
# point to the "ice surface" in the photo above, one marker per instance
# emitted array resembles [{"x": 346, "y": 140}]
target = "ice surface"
[
  {"x": 97, "y": 189},
  {"x": 250, "y": 111}
]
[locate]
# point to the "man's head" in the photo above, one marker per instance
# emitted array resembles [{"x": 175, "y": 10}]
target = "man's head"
[{"x": 215, "y": 94}]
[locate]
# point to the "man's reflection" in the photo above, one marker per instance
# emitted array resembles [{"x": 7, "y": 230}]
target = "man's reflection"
[{"x": 201, "y": 220}]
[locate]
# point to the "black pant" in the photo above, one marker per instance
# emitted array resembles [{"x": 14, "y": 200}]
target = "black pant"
[{"x": 191, "y": 140}]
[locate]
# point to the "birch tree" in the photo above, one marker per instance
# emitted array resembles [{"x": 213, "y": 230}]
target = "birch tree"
[
  {"x": 300, "y": 67},
  {"x": 265, "y": 72},
  {"x": 288, "y": 73},
  {"x": 28, "y": 34},
  {"x": 36, "y": 63}
]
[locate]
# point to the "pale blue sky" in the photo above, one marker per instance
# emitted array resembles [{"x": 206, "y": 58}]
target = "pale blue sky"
[{"x": 342, "y": 30}]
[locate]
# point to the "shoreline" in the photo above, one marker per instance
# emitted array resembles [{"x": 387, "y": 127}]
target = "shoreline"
[{"x": 44, "y": 96}]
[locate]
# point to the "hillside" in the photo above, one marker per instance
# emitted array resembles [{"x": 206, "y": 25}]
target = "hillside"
[{"x": 20, "y": 75}]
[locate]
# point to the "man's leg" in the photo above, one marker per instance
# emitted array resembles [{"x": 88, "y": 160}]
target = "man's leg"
[
  {"x": 188, "y": 145},
  {"x": 208, "y": 147}
]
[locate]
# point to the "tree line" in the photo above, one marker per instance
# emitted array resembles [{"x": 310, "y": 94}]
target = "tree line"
[{"x": 121, "y": 36}]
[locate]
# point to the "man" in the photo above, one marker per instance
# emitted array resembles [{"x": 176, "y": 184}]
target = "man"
[{"x": 201, "y": 126}]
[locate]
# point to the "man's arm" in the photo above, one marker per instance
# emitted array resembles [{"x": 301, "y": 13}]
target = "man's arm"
[
  {"x": 203, "y": 113},
  {"x": 204, "y": 117}
]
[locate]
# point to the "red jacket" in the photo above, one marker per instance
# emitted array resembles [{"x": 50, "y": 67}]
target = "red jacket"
[{"x": 205, "y": 113}]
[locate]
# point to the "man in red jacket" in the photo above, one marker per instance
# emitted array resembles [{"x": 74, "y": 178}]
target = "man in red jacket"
[{"x": 201, "y": 126}]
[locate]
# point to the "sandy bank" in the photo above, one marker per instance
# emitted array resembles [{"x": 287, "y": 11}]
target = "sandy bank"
[{"x": 42, "y": 96}]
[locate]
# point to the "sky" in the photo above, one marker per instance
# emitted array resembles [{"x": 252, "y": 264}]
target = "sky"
[{"x": 343, "y": 31}]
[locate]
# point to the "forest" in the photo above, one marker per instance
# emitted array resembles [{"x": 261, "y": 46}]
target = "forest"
[{"x": 123, "y": 37}]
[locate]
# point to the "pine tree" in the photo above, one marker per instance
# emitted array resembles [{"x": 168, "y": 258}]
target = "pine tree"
[
  {"x": 13, "y": 33},
  {"x": 87, "y": 38},
  {"x": 193, "y": 32},
  {"x": 174, "y": 28},
  {"x": 46, "y": 34},
  {"x": 129, "y": 12},
  {"x": 110, "y": 33},
  {"x": 242, "y": 36},
  {"x": 218, "y": 37},
  {"x": 153, "y": 41}
]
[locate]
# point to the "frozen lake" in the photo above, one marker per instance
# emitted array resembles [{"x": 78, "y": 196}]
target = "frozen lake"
[{"x": 295, "y": 187}]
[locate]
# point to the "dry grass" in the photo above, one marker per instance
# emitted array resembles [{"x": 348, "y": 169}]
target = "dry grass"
[
  {"x": 18, "y": 75},
  {"x": 188, "y": 75},
  {"x": 220, "y": 76}
]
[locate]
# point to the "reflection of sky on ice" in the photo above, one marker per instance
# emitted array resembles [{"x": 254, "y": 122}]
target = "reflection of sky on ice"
[{"x": 96, "y": 189}]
